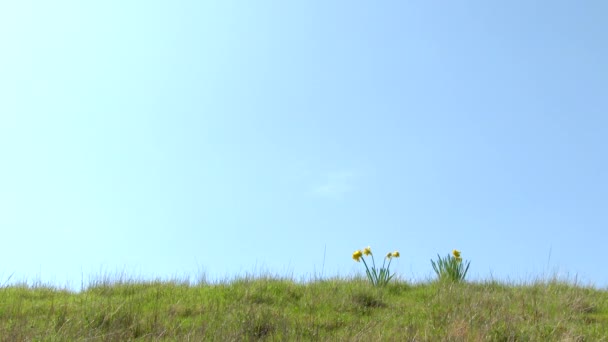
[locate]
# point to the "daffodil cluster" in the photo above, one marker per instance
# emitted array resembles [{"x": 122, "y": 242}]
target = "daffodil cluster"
[
  {"x": 451, "y": 268},
  {"x": 378, "y": 277}
]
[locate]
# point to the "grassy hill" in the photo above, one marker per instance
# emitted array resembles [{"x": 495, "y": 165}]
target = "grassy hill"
[{"x": 262, "y": 308}]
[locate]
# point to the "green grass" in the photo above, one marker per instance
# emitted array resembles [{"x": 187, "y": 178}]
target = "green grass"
[{"x": 267, "y": 308}]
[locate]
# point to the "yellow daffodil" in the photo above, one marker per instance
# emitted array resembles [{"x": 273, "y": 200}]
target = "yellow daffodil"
[
  {"x": 452, "y": 267},
  {"x": 378, "y": 276},
  {"x": 357, "y": 255}
]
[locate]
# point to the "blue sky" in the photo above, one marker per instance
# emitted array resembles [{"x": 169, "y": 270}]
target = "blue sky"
[{"x": 170, "y": 138}]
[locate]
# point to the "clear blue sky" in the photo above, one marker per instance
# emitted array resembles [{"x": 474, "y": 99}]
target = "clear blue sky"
[{"x": 169, "y": 138}]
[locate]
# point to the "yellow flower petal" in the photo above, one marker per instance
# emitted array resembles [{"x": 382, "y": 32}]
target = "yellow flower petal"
[
  {"x": 357, "y": 255},
  {"x": 456, "y": 253},
  {"x": 396, "y": 254},
  {"x": 367, "y": 250}
]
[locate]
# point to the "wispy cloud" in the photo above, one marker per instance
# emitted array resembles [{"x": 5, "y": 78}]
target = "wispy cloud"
[{"x": 335, "y": 185}]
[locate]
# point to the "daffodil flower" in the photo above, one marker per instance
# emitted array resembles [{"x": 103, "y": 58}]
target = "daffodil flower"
[
  {"x": 451, "y": 268},
  {"x": 357, "y": 255},
  {"x": 378, "y": 277}
]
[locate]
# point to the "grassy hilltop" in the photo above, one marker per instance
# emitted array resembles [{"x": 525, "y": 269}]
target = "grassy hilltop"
[{"x": 267, "y": 308}]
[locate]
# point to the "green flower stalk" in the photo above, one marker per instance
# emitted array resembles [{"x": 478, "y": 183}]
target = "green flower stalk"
[{"x": 378, "y": 277}]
